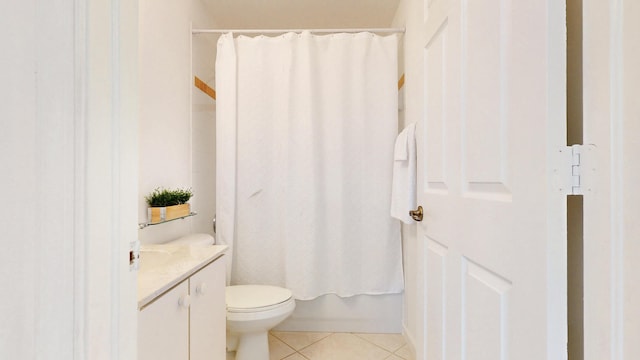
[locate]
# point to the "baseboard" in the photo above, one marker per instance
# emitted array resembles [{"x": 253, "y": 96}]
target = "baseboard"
[{"x": 411, "y": 343}]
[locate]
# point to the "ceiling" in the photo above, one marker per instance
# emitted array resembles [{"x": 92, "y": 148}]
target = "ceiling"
[{"x": 298, "y": 14}]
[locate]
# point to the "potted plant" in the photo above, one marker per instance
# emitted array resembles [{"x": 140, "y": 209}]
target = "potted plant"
[{"x": 168, "y": 204}]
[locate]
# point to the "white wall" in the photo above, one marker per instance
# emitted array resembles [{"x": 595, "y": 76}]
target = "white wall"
[
  {"x": 204, "y": 130},
  {"x": 166, "y": 86}
]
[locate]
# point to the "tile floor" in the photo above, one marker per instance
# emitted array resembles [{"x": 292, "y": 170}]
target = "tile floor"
[{"x": 335, "y": 346}]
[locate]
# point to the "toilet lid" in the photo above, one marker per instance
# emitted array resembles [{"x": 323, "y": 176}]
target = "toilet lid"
[{"x": 247, "y": 297}]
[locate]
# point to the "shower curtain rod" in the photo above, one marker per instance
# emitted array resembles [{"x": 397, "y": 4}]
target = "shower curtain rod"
[{"x": 281, "y": 31}]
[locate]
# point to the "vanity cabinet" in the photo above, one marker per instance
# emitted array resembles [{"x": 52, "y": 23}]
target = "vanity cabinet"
[
  {"x": 208, "y": 312},
  {"x": 187, "y": 322},
  {"x": 163, "y": 326}
]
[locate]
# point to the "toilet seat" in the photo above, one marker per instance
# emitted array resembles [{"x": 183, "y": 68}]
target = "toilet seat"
[{"x": 256, "y": 298}]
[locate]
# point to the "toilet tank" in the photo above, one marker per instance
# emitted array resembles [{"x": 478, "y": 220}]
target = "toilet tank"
[{"x": 194, "y": 239}]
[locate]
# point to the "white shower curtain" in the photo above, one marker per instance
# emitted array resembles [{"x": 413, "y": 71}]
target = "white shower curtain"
[{"x": 305, "y": 134}]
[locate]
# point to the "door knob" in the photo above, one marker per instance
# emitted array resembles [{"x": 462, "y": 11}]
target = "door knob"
[{"x": 416, "y": 214}]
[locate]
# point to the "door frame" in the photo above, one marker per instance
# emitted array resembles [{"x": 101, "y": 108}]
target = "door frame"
[
  {"x": 106, "y": 175},
  {"x": 610, "y": 251}
]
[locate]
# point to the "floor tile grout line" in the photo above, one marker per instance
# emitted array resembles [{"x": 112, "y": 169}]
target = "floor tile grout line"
[
  {"x": 371, "y": 342},
  {"x": 390, "y": 353},
  {"x": 287, "y": 345},
  {"x": 400, "y": 356},
  {"x": 284, "y": 342},
  {"x": 306, "y": 346},
  {"x": 374, "y": 344},
  {"x": 298, "y": 353},
  {"x": 302, "y": 348}
]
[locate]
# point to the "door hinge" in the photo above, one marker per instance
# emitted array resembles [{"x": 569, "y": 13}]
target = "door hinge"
[
  {"x": 575, "y": 169},
  {"x": 134, "y": 255}
]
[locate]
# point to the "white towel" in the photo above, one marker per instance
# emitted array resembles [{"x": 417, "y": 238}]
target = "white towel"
[{"x": 403, "y": 190}]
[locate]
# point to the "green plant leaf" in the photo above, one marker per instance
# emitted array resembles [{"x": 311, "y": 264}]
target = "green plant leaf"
[{"x": 161, "y": 197}]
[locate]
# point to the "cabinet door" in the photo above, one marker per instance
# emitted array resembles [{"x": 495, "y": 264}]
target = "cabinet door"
[
  {"x": 208, "y": 312},
  {"x": 163, "y": 327}
]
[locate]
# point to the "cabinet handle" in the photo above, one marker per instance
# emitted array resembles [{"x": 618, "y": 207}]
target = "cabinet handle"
[
  {"x": 185, "y": 301},
  {"x": 201, "y": 289}
]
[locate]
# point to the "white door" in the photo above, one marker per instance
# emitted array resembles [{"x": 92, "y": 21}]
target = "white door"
[
  {"x": 68, "y": 134},
  {"x": 492, "y": 238}
]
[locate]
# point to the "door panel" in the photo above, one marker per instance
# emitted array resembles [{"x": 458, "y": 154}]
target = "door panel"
[
  {"x": 493, "y": 235},
  {"x": 435, "y": 55},
  {"x": 436, "y": 312},
  {"x": 484, "y": 99},
  {"x": 484, "y": 297}
]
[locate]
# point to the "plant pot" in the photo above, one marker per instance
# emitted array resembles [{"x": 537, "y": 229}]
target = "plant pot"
[{"x": 160, "y": 214}]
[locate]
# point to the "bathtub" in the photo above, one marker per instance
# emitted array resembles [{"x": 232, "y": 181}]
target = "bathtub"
[{"x": 360, "y": 313}]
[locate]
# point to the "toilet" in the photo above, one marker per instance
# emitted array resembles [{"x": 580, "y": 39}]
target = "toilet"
[{"x": 252, "y": 310}]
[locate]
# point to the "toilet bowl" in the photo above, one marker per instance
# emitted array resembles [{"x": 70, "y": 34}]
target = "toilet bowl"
[{"x": 252, "y": 310}]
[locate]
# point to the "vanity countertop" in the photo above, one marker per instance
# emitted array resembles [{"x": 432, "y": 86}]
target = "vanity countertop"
[{"x": 166, "y": 265}]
